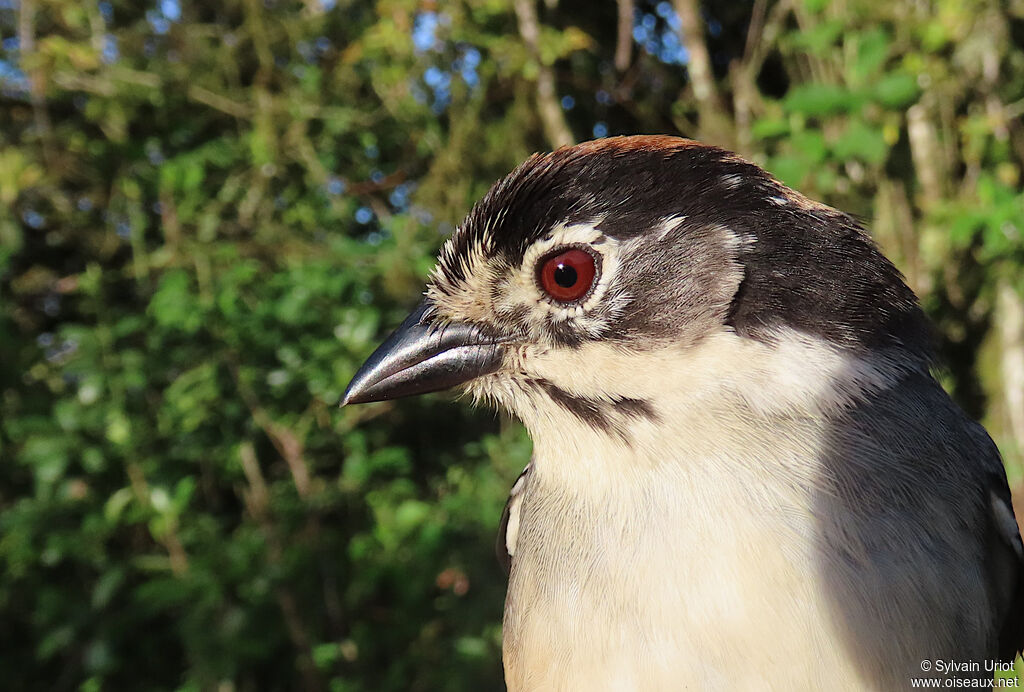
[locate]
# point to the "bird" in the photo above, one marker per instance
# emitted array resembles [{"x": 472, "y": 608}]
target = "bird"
[{"x": 745, "y": 474}]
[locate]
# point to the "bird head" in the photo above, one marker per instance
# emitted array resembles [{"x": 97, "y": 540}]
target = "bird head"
[{"x": 595, "y": 281}]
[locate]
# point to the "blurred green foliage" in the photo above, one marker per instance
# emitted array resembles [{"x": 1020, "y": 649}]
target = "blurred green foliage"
[{"x": 211, "y": 213}]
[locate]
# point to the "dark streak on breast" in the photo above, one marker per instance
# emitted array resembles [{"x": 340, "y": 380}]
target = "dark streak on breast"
[
  {"x": 587, "y": 410},
  {"x": 606, "y": 416},
  {"x": 637, "y": 408}
]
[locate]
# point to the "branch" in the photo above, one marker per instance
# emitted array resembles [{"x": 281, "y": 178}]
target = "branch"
[
  {"x": 715, "y": 121},
  {"x": 286, "y": 442},
  {"x": 555, "y": 127},
  {"x": 762, "y": 35},
  {"x": 176, "y": 554},
  {"x": 36, "y": 78},
  {"x": 256, "y": 499},
  {"x": 755, "y": 30},
  {"x": 366, "y": 187},
  {"x": 925, "y": 153},
  {"x": 218, "y": 102},
  {"x": 624, "y": 44},
  {"x": 258, "y": 31},
  {"x": 764, "y": 32},
  {"x": 108, "y": 85},
  {"x": 1010, "y": 318}
]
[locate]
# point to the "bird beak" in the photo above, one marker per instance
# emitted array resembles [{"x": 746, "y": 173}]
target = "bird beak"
[{"x": 421, "y": 357}]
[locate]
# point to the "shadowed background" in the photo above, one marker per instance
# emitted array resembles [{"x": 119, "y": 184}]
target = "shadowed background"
[{"x": 210, "y": 213}]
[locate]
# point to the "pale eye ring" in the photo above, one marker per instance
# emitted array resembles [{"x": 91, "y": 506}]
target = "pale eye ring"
[{"x": 568, "y": 275}]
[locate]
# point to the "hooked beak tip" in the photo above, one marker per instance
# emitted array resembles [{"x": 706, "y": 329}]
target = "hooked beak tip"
[
  {"x": 349, "y": 397},
  {"x": 419, "y": 358}
]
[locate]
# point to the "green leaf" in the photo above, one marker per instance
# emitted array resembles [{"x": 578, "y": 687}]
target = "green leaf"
[
  {"x": 55, "y": 641},
  {"x": 896, "y": 90},
  {"x": 820, "y": 99},
  {"x": 47, "y": 456},
  {"x": 471, "y": 647},
  {"x": 821, "y": 37},
  {"x": 116, "y": 504},
  {"x": 810, "y": 144},
  {"x": 174, "y": 305},
  {"x": 963, "y": 228},
  {"x": 106, "y": 587},
  {"x": 872, "y": 50},
  {"x": 326, "y": 655},
  {"x": 860, "y": 141},
  {"x": 791, "y": 170},
  {"x": 766, "y": 128}
]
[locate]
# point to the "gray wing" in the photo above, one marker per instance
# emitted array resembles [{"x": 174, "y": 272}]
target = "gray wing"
[
  {"x": 924, "y": 555},
  {"x": 508, "y": 527},
  {"x": 1008, "y": 569},
  {"x": 1005, "y": 549}
]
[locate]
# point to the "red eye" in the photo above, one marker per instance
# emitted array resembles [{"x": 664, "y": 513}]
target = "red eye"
[{"x": 568, "y": 275}]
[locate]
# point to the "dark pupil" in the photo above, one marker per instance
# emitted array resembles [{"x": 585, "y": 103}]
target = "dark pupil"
[{"x": 565, "y": 276}]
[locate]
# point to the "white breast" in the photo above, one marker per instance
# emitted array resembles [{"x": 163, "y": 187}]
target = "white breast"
[
  {"x": 690, "y": 555},
  {"x": 698, "y": 574}
]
